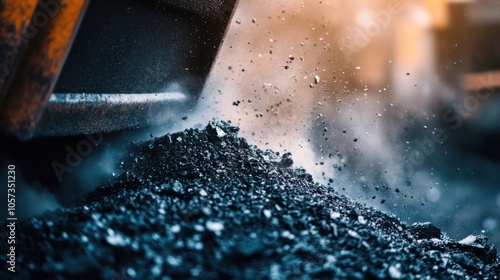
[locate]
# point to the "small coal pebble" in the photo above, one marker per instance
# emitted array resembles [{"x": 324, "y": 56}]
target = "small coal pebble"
[{"x": 205, "y": 204}]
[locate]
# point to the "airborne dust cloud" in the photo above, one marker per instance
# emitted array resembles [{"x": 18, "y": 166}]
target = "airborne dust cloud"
[{"x": 364, "y": 117}]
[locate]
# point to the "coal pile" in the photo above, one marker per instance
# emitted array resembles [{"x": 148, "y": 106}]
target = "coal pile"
[{"x": 205, "y": 204}]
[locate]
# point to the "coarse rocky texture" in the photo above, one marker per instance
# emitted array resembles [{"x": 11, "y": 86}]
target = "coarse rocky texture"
[{"x": 205, "y": 204}]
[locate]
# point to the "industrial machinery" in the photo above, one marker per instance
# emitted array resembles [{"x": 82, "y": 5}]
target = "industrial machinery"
[
  {"x": 77, "y": 67},
  {"x": 70, "y": 69},
  {"x": 388, "y": 105}
]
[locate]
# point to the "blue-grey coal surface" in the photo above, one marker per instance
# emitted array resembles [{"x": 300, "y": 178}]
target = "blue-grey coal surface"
[{"x": 205, "y": 204}]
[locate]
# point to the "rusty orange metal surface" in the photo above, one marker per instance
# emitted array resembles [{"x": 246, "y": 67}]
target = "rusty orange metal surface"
[
  {"x": 52, "y": 28},
  {"x": 15, "y": 16}
]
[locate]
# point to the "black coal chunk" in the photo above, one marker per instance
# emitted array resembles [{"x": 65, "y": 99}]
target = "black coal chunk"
[
  {"x": 205, "y": 204},
  {"x": 425, "y": 231}
]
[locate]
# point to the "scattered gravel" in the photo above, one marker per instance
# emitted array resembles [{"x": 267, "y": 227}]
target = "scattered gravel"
[{"x": 206, "y": 204}]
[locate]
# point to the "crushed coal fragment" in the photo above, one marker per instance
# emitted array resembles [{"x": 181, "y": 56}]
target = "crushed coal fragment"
[
  {"x": 205, "y": 204},
  {"x": 425, "y": 231}
]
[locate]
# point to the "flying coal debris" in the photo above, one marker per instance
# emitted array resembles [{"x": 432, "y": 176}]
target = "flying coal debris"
[
  {"x": 386, "y": 130},
  {"x": 206, "y": 204}
]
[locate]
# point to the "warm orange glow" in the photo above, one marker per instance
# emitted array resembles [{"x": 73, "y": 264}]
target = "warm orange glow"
[
  {"x": 438, "y": 10},
  {"x": 484, "y": 80}
]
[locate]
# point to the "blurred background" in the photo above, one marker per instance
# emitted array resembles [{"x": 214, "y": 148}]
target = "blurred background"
[{"x": 392, "y": 103}]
